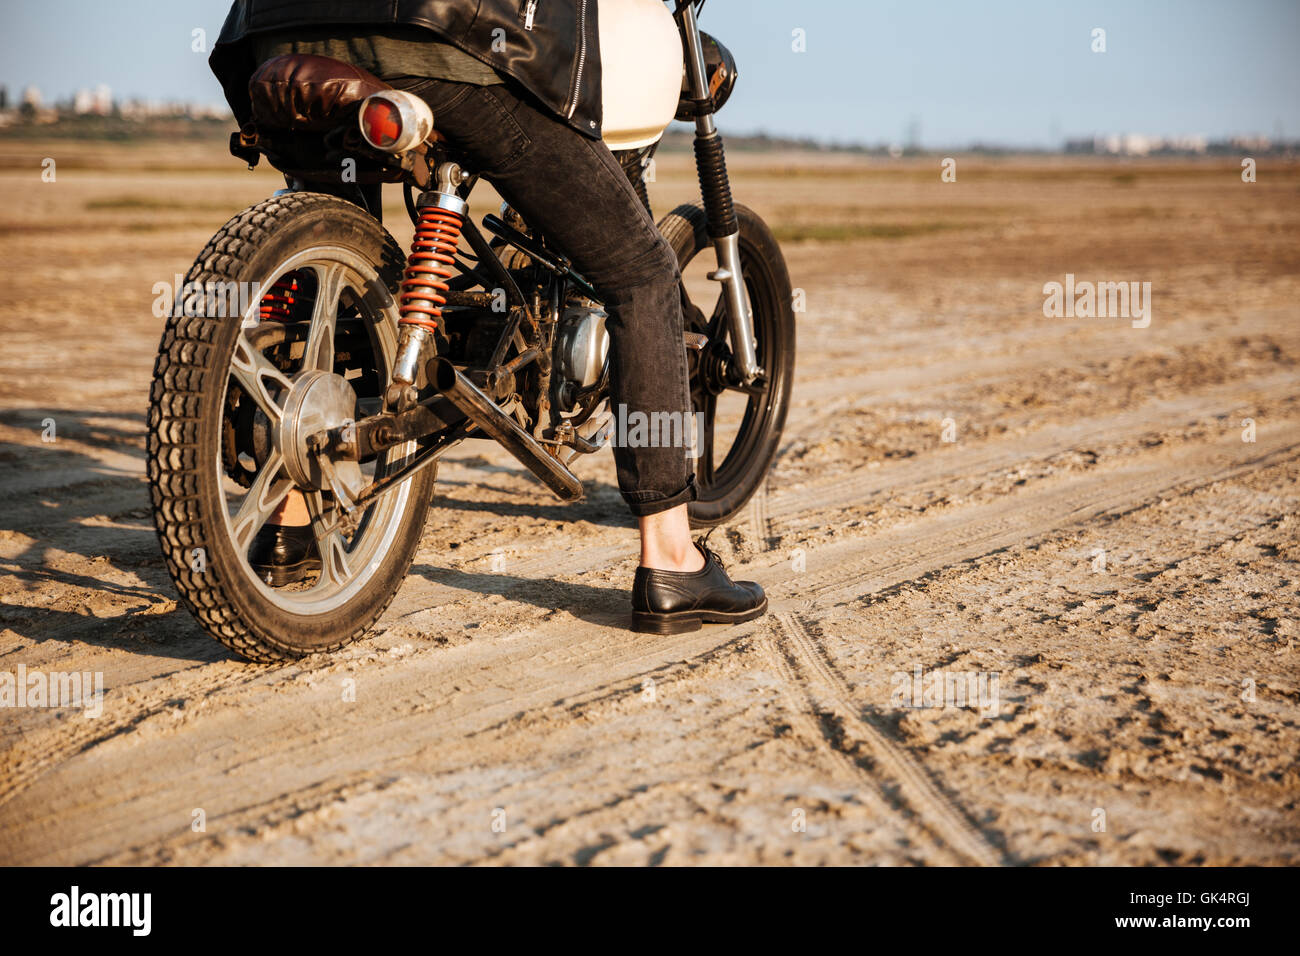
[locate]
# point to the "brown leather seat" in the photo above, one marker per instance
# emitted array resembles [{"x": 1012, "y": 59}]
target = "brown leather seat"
[{"x": 305, "y": 91}]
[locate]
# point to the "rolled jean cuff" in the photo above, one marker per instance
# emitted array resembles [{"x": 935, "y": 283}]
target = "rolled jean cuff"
[{"x": 643, "y": 509}]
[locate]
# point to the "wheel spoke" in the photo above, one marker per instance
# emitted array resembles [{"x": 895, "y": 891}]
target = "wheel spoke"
[
  {"x": 335, "y": 562},
  {"x": 269, "y": 488},
  {"x": 702, "y": 399},
  {"x": 319, "y": 351},
  {"x": 699, "y": 391},
  {"x": 718, "y": 319},
  {"x": 704, "y": 465},
  {"x": 336, "y": 568},
  {"x": 252, "y": 369}
]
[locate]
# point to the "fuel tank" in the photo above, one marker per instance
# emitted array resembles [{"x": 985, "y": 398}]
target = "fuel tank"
[{"x": 641, "y": 71}]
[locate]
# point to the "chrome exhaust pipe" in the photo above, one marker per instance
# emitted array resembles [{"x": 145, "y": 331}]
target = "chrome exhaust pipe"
[{"x": 485, "y": 413}]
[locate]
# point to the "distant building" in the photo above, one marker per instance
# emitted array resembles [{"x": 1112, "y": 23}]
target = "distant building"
[
  {"x": 1137, "y": 144},
  {"x": 1256, "y": 144},
  {"x": 98, "y": 102}
]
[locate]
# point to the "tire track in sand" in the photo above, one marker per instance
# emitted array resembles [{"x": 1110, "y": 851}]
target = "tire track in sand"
[
  {"x": 36, "y": 753},
  {"x": 803, "y": 709},
  {"x": 827, "y": 693}
]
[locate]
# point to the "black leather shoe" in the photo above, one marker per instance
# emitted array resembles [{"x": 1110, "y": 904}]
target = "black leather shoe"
[
  {"x": 283, "y": 554},
  {"x": 673, "y": 602}
]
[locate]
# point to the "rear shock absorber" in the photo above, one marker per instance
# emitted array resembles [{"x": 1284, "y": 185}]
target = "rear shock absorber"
[
  {"x": 277, "y": 304},
  {"x": 441, "y": 214},
  {"x": 429, "y": 266}
]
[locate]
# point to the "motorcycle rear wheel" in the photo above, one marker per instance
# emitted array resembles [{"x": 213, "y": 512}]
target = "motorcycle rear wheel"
[{"x": 217, "y": 449}]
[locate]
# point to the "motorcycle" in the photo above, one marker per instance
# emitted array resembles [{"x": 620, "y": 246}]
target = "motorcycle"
[{"x": 352, "y": 367}]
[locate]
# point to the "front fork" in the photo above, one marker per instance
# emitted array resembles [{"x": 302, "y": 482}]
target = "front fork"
[{"x": 715, "y": 188}]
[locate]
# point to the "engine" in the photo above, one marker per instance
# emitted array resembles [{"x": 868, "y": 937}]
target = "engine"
[{"x": 581, "y": 350}]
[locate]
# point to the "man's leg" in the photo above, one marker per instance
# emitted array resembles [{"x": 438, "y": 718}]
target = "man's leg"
[{"x": 571, "y": 188}]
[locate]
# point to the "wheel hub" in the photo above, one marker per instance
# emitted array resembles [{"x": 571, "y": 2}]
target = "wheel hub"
[
  {"x": 318, "y": 402},
  {"x": 715, "y": 367}
]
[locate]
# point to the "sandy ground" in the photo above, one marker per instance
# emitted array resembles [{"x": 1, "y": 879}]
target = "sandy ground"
[{"x": 1104, "y": 542}]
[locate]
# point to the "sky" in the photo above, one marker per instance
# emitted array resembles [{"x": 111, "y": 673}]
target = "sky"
[{"x": 942, "y": 72}]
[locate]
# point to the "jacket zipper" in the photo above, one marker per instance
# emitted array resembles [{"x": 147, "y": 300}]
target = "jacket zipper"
[
  {"x": 582, "y": 59},
  {"x": 530, "y": 10}
]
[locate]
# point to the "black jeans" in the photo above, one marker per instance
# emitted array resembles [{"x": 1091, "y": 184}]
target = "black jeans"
[{"x": 573, "y": 190}]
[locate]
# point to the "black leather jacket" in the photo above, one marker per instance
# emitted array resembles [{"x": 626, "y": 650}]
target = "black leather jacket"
[{"x": 551, "y": 47}]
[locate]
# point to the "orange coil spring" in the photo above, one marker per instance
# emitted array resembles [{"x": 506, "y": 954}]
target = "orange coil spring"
[
  {"x": 277, "y": 304},
  {"x": 429, "y": 266}
]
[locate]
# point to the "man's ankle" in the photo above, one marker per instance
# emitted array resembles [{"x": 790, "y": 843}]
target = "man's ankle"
[
  {"x": 666, "y": 542},
  {"x": 685, "y": 560}
]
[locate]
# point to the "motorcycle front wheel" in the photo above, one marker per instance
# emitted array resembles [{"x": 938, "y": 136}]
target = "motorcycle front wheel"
[
  {"x": 286, "y": 324},
  {"x": 741, "y": 423}
]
